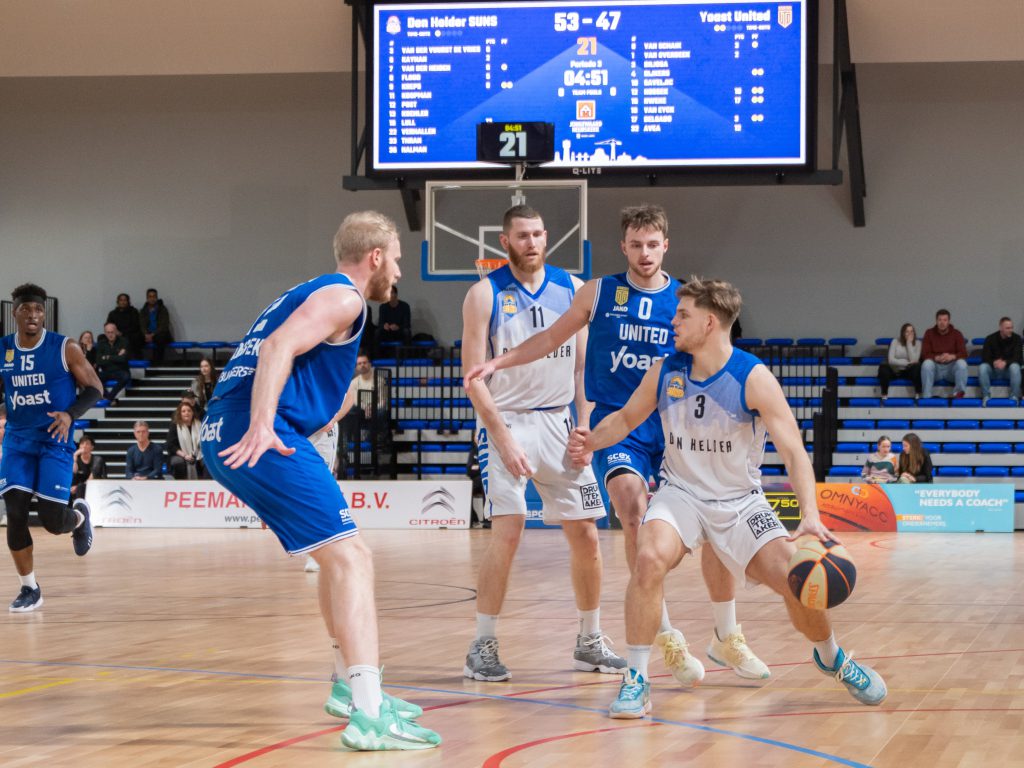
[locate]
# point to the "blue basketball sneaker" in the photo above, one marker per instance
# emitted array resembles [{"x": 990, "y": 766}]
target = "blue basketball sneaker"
[
  {"x": 81, "y": 537},
  {"x": 634, "y": 699},
  {"x": 28, "y": 599},
  {"x": 863, "y": 683}
]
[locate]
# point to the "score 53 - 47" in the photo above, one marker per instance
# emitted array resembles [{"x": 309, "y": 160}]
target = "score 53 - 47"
[{"x": 570, "y": 21}]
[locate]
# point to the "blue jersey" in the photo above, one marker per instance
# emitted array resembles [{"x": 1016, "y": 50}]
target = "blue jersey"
[
  {"x": 319, "y": 379},
  {"x": 37, "y": 381},
  {"x": 630, "y": 330}
]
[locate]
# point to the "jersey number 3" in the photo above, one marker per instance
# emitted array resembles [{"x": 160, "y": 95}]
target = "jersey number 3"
[{"x": 699, "y": 411}]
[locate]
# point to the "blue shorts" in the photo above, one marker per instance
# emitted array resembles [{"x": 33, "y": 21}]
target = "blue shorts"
[
  {"x": 641, "y": 452},
  {"x": 42, "y": 468},
  {"x": 296, "y": 496}
]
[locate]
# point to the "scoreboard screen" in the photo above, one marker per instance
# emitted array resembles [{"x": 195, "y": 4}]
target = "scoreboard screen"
[{"x": 638, "y": 86}]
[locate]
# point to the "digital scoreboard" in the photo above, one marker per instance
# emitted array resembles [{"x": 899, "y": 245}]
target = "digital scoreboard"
[{"x": 638, "y": 86}]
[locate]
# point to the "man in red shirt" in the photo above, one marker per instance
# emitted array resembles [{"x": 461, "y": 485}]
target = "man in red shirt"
[{"x": 943, "y": 356}]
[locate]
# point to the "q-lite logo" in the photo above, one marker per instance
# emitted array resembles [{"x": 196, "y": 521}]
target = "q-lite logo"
[
  {"x": 440, "y": 497},
  {"x": 119, "y": 497},
  {"x": 40, "y": 398}
]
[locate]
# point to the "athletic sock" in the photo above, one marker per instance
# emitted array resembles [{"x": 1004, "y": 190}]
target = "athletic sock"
[
  {"x": 29, "y": 580},
  {"x": 366, "y": 693},
  {"x": 340, "y": 670},
  {"x": 666, "y": 622},
  {"x": 725, "y": 618},
  {"x": 638, "y": 656},
  {"x": 590, "y": 621},
  {"x": 486, "y": 625},
  {"x": 827, "y": 650}
]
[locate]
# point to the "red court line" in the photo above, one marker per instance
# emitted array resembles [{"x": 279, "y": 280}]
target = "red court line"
[
  {"x": 495, "y": 760},
  {"x": 280, "y": 745},
  {"x": 877, "y": 543}
]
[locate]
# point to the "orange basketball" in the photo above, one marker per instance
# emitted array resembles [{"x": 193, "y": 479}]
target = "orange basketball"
[{"x": 821, "y": 574}]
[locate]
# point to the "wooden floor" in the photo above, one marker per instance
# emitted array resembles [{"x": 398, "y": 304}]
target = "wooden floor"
[{"x": 172, "y": 648}]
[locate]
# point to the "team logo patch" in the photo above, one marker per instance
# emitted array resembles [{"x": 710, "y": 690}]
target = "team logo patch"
[
  {"x": 762, "y": 522},
  {"x": 9, "y": 356},
  {"x": 621, "y": 294},
  {"x": 591, "y": 496},
  {"x": 675, "y": 387},
  {"x": 508, "y": 304},
  {"x": 785, "y": 16}
]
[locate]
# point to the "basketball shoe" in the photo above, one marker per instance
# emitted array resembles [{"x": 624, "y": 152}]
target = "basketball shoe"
[
  {"x": 387, "y": 731},
  {"x": 339, "y": 703},
  {"x": 634, "y": 699},
  {"x": 863, "y": 683},
  {"x": 592, "y": 654},
  {"x": 28, "y": 599},
  {"x": 81, "y": 537},
  {"x": 685, "y": 667},
  {"x": 482, "y": 661},
  {"x": 734, "y": 652}
]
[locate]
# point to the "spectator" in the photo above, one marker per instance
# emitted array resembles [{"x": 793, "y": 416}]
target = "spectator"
[
  {"x": 904, "y": 361},
  {"x": 88, "y": 465},
  {"x": 155, "y": 321},
  {"x": 88, "y": 344},
  {"x": 943, "y": 355},
  {"x": 204, "y": 383},
  {"x": 915, "y": 462},
  {"x": 395, "y": 319},
  {"x": 126, "y": 318},
  {"x": 185, "y": 455},
  {"x": 112, "y": 360},
  {"x": 881, "y": 465},
  {"x": 1001, "y": 357},
  {"x": 362, "y": 382},
  {"x": 144, "y": 460}
]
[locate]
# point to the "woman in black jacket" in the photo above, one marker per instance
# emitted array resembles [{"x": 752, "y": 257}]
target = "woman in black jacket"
[{"x": 915, "y": 461}]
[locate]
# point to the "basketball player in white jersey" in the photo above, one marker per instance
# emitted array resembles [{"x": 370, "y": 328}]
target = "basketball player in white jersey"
[
  {"x": 629, "y": 319},
  {"x": 717, "y": 405},
  {"x": 523, "y": 426}
]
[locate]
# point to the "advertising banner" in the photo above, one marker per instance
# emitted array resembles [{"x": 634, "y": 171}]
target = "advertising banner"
[{"x": 396, "y": 504}]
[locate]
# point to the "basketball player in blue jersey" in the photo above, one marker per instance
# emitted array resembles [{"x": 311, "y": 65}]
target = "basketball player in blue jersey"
[
  {"x": 717, "y": 404},
  {"x": 523, "y": 425},
  {"x": 283, "y": 384},
  {"x": 41, "y": 373},
  {"x": 630, "y": 322}
]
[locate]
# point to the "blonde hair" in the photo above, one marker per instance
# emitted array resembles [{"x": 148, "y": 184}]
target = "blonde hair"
[
  {"x": 360, "y": 233},
  {"x": 717, "y": 296}
]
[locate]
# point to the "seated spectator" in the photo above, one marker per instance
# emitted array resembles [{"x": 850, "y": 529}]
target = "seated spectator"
[
  {"x": 88, "y": 344},
  {"x": 1001, "y": 357},
  {"x": 144, "y": 460},
  {"x": 880, "y": 466},
  {"x": 943, "y": 356},
  {"x": 155, "y": 321},
  {"x": 126, "y": 318},
  {"x": 112, "y": 361},
  {"x": 185, "y": 456},
  {"x": 395, "y": 320},
  {"x": 188, "y": 396},
  {"x": 915, "y": 462},
  {"x": 204, "y": 383},
  {"x": 904, "y": 361},
  {"x": 88, "y": 465}
]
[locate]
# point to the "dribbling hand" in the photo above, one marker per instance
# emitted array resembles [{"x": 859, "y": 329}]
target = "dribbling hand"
[
  {"x": 256, "y": 441},
  {"x": 812, "y": 526}
]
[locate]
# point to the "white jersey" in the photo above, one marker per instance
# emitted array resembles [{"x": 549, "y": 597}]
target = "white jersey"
[
  {"x": 516, "y": 315},
  {"x": 713, "y": 443}
]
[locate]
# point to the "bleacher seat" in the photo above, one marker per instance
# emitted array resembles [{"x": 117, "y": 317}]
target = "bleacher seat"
[
  {"x": 966, "y": 402},
  {"x": 1018, "y": 497},
  {"x": 82, "y": 424},
  {"x": 928, "y": 424},
  {"x": 779, "y": 341},
  {"x": 956, "y": 447},
  {"x": 143, "y": 364},
  {"x": 978, "y": 342},
  {"x": 858, "y": 424},
  {"x": 899, "y": 402},
  {"x": 866, "y": 381},
  {"x": 1001, "y": 402},
  {"x": 930, "y": 447},
  {"x": 903, "y": 424},
  {"x": 771, "y": 471},
  {"x": 963, "y": 424},
  {"x": 954, "y": 472},
  {"x": 1017, "y": 471},
  {"x": 997, "y": 424},
  {"x": 853, "y": 448},
  {"x": 748, "y": 342},
  {"x": 990, "y": 448},
  {"x": 844, "y": 471},
  {"x": 841, "y": 360},
  {"x": 991, "y": 472},
  {"x": 933, "y": 402},
  {"x": 865, "y": 402},
  {"x": 810, "y": 341},
  {"x": 872, "y": 360},
  {"x": 843, "y": 341}
]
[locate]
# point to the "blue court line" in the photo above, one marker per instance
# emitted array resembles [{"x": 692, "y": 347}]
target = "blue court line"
[{"x": 494, "y": 697}]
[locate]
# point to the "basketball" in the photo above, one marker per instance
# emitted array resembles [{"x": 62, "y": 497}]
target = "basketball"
[{"x": 821, "y": 574}]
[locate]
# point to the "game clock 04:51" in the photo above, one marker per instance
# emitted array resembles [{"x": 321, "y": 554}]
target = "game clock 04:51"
[{"x": 515, "y": 142}]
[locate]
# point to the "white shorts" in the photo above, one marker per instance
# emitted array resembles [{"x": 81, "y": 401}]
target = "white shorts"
[
  {"x": 326, "y": 444},
  {"x": 567, "y": 493},
  {"x": 735, "y": 528}
]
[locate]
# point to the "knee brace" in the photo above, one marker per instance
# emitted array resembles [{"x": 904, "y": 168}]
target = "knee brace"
[
  {"x": 18, "y": 537},
  {"x": 57, "y": 517}
]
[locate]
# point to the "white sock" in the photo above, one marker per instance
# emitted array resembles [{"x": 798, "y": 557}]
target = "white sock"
[
  {"x": 638, "y": 656},
  {"x": 666, "y": 622},
  {"x": 725, "y": 618},
  {"x": 827, "y": 651},
  {"x": 590, "y": 621},
  {"x": 340, "y": 670},
  {"x": 366, "y": 693},
  {"x": 486, "y": 625},
  {"x": 29, "y": 580}
]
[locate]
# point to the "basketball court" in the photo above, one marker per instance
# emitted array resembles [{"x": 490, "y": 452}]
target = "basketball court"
[{"x": 205, "y": 648}]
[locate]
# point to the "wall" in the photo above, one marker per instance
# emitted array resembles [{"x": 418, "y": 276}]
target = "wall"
[{"x": 222, "y": 190}]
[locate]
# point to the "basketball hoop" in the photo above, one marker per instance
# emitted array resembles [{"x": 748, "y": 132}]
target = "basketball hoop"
[{"x": 485, "y": 266}]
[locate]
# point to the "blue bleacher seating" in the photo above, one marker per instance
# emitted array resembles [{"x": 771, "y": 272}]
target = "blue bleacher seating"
[
  {"x": 779, "y": 341},
  {"x": 143, "y": 364},
  {"x": 1017, "y": 471},
  {"x": 771, "y": 471},
  {"x": 927, "y": 424},
  {"x": 956, "y": 447},
  {"x": 954, "y": 472},
  {"x": 963, "y": 424},
  {"x": 997, "y": 424},
  {"x": 811, "y": 341},
  {"x": 843, "y": 341},
  {"x": 853, "y": 448},
  {"x": 930, "y": 447},
  {"x": 872, "y": 360},
  {"x": 102, "y": 403},
  {"x": 1018, "y": 447},
  {"x": 841, "y": 360},
  {"x": 966, "y": 402},
  {"x": 933, "y": 402},
  {"x": 991, "y": 472},
  {"x": 866, "y": 381},
  {"x": 865, "y": 402},
  {"x": 844, "y": 471},
  {"x": 899, "y": 402},
  {"x": 883, "y": 341},
  {"x": 903, "y": 424},
  {"x": 1001, "y": 402},
  {"x": 82, "y": 424},
  {"x": 978, "y": 342},
  {"x": 748, "y": 342},
  {"x": 995, "y": 448},
  {"x": 858, "y": 424},
  {"x": 1018, "y": 497}
]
